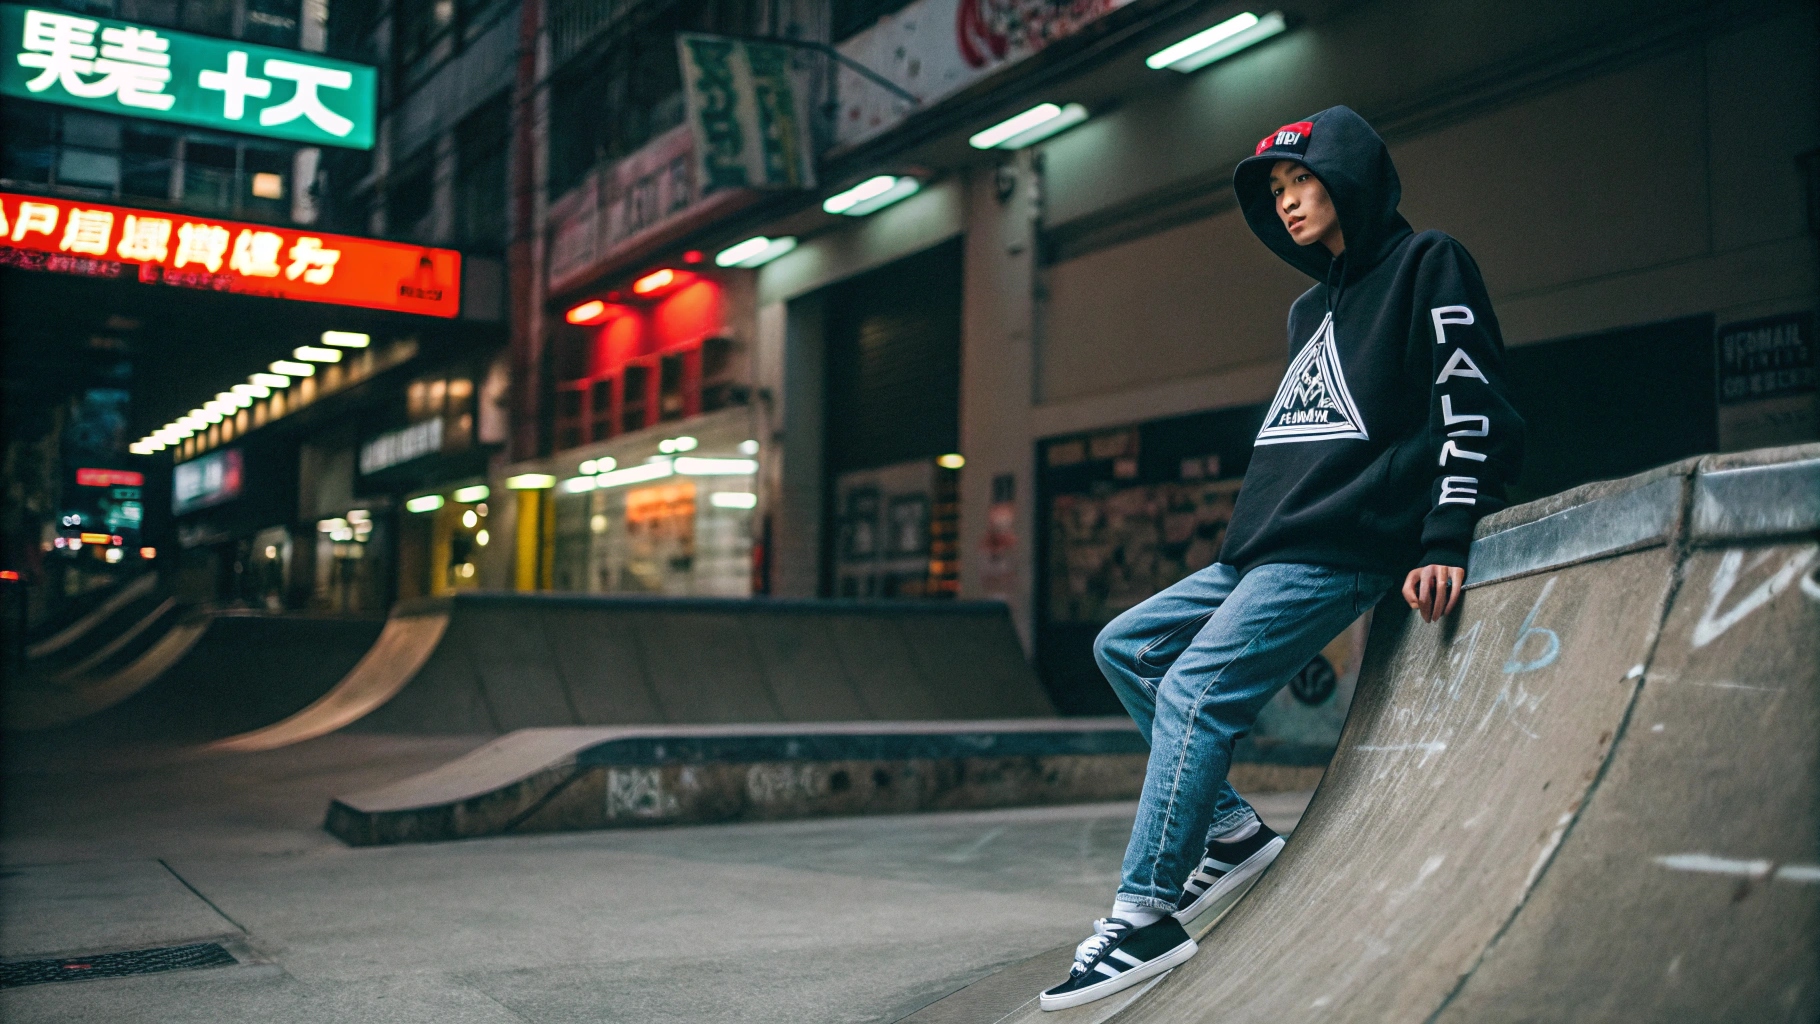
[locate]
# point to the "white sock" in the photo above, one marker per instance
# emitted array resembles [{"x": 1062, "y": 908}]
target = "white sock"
[
  {"x": 1138, "y": 916},
  {"x": 1245, "y": 831}
]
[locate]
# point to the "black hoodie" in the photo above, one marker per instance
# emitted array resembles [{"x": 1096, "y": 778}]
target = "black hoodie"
[{"x": 1391, "y": 433}]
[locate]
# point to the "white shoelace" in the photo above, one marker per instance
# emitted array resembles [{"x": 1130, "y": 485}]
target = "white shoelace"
[{"x": 1104, "y": 934}]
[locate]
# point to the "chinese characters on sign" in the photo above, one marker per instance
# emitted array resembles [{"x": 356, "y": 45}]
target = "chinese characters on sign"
[
  {"x": 72, "y": 237},
  {"x": 58, "y": 57},
  {"x": 750, "y": 121}
]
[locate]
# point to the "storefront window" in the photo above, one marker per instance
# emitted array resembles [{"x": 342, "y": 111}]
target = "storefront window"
[
  {"x": 676, "y": 522},
  {"x": 351, "y": 570}
]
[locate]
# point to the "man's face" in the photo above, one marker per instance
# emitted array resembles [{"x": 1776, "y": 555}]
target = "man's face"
[{"x": 1303, "y": 204}]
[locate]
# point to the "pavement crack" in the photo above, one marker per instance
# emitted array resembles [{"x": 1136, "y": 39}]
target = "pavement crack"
[{"x": 186, "y": 884}]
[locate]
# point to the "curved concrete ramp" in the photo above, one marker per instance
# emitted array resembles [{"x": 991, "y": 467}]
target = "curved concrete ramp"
[
  {"x": 497, "y": 662},
  {"x": 212, "y": 674},
  {"x": 1592, "y": 794}
]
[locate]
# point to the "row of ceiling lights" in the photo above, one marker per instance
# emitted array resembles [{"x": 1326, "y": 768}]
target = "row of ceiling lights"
[
  {"x": 259, "y": 385},
  {"x": 1040, "y": 122}
]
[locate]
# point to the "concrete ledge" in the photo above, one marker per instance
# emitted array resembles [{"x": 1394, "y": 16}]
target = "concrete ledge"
[{"x": 539, "y": 780}]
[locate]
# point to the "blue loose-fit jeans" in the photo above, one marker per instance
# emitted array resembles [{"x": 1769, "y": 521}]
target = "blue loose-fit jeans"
[{"x": 1194, "y": 665}]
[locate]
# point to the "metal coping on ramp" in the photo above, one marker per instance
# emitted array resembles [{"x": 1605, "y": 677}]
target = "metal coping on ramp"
[
  {"x": 491, "y": 663},
  {"x": 538, "y": 780},
  {"x": 1591, "y": 794}
]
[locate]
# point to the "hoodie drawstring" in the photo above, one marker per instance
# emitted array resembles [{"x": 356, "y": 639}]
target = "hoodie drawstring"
[{"x": 1333, "y": 292}]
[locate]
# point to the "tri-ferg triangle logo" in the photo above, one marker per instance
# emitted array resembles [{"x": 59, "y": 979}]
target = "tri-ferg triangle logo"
[{"x": 1313, "y": 403}]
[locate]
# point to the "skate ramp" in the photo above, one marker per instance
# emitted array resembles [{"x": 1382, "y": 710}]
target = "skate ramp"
[
  {"x": 211, "y": 674},
  {"x": 94, "y": 617},
  {"x": 1591, "y": 794},
  {"x": 492, "y": 663}
]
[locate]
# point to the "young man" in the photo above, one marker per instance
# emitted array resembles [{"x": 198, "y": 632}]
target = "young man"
[{"x": 1387, "y": 440}]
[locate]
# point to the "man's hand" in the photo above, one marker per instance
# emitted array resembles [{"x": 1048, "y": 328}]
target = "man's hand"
[{"x": 1434, "y": 590}]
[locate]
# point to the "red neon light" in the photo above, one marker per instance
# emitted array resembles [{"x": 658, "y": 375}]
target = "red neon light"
[
  {"x": 654, "y": 281},
  {"x": 8, "y": 574},
  {"x": 590, "y": 312},
  {"x": 75, "y": 237},
  {"x": 693, "y": 256},
  {"x": 109, "y": 478}
]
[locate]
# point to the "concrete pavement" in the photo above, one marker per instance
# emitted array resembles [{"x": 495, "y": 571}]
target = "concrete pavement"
[{"x": 860, "y": 919}]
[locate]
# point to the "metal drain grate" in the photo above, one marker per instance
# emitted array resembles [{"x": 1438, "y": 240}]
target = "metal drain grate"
[{"x": 114, "y": 965}]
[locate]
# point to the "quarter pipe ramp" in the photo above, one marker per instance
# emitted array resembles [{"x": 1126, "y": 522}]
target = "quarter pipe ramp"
[
  {"x": 490, "y": 663},
  {"x": 1591, "y": 794}
]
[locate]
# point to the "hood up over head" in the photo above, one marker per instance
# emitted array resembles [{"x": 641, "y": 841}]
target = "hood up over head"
[{"x": 1354, "y": 166}]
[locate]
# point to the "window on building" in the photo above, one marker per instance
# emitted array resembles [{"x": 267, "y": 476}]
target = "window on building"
[
  {"x": 411, "y": 196},
  {"x": 125, "y": 159},
  {"x": 482, "y": 145},
  {"x": 622, "y": 88}
]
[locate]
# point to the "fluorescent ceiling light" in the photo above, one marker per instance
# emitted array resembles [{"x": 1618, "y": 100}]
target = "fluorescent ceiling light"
[
  {"x": 870, "y": 195},
  {"x": 294, "y": 369},
  {"x": 206, "y": 415},
  {"x": 221, "y": 409},
  {"x": 235, "y": 398},
  {"x": 252, "y": 391},
  {"x": 733, "y": 499},
  {"x": 423, "y": 503},
  {"x": 346, "y": 339},
  {"x": 952, "y": 460},
  {"x": 470, "y": 495},
  {"x": 587, "y": 314},
  {"x": 715, "y": 467},
  {"x": 654, "y": 470},
  {"x": 1222, "y": 40},
  {"x": 754, "y": 252},
  {"x": 270, "y": 380},
  {"x": 1071, "y": 115},
  {"x": 678, "y": 444},
  {"x": 1033, "y": 125},
  {"x": 317, "y": 355},
  {"x": 655, "y": 280},
  {"x": 531, "y": 482},
  {"x": 577, "y": 484}
]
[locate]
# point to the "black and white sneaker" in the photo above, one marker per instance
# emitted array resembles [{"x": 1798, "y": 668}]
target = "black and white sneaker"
[
  {"x": 1118, "y": 956},
  {"x": 1226, "y": 867}
]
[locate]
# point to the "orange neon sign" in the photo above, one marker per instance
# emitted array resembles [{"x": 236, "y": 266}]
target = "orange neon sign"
[{"x": 160, "y": 247}]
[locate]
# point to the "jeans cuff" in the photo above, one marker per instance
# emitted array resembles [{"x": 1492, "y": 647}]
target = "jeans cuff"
[
  {"x": 1150, "y": 902},
  {"x": 1230, "y": 823}
]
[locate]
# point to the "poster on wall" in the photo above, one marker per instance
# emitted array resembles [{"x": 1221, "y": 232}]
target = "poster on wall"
[
  {"x": 1768, "y": 380},
  {"x": 936, "y": 48},
  {"x": 748, "y": 113}
]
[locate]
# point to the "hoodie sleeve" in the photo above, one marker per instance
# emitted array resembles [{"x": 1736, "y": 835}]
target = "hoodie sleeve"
[{"x": 1475, "y": 435}]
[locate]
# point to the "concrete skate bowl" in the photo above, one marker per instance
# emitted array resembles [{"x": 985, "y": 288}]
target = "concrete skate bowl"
[
  {"x": 491, "y": 663},
  {"x": 1591, "y": 794},
  {"x": 210, "y": 674}
]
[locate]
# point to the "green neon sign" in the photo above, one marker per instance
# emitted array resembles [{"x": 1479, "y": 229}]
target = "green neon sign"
[{"x": 117, "y": 67}]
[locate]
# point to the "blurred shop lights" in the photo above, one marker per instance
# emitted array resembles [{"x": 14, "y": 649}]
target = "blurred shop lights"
[
  {"x": 754, "y": 252},
  {"x": 587, "y": 314},
  {"x": 1031, "y": 126},
  {"x": 656, "y": 469},
  {"x": 600, "y": 465},
  {"x": 423, "y": 503},
  {"x": 346, "y": 339},
  {"x": 531, "y": 482},
  {"x": 1222, "y": 40},
  {"x": 577, "y": 484},
  {"x": 871, "y": 195},
  {"x": 270, "y": 380},
  {"x": 317, "y": 355},
  {"x": 733, "y": 499},
  {"x": 953, "y": 460},
  {"x": 293, "y": 368},
  {"x": 677, "y": 444},
  {"x": 470, "y": 495},
  {"x": 655, "y": 281},
  {"x": 715, "y": 467}
]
